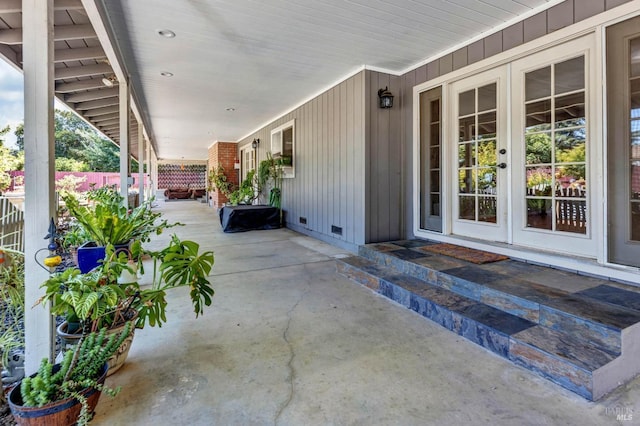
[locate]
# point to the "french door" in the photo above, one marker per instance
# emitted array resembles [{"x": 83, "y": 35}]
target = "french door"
[
  {"x": 479, "y": 147},
  {"x": 623, "y": 137},
  {"x": 520, "y": 141},
  {"x": 552, "y": 140}
]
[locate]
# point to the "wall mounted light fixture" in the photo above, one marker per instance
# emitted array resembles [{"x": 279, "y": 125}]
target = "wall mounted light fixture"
[
  {"x": 109, "y": 81},
  {"x": 255, "y": 143},
  {"x": 386, "y": 98}
]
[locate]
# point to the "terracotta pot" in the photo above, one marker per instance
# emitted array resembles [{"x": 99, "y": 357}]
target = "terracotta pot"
[{"x": 60, "y": 413}]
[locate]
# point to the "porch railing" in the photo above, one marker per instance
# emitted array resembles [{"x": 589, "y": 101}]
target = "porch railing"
[{"x": 11, "y": 225}]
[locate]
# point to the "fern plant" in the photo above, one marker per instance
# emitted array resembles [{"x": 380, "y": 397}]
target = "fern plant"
[{"x": 107, "y": 221}]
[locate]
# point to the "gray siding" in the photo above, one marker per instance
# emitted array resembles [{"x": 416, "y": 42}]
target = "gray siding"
[
  {"x": 552, "y": 19},
  {"x": 384, "y": 153},
  {"x": 329, "y": 164}
]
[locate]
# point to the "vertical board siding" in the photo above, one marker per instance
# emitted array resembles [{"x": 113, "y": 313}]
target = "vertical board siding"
[
  {"x": 384, "y": 157},
  {"x": 329, "y": 153},
  {"x": 11, "y": 226}
]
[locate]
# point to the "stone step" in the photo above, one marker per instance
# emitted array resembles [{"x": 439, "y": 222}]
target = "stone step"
[
  {"x": 586, "y": 313},
  {"x": 552, "y": 352}
]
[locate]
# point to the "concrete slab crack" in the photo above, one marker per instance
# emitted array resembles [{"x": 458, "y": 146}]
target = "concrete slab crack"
[{"x": 291, "y": 377}]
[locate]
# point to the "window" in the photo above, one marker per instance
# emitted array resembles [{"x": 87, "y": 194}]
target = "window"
[
  {"x": 248, "y": 156},
  {"x": 283, "y": 147},
  {"x": 430, "y": 156}
]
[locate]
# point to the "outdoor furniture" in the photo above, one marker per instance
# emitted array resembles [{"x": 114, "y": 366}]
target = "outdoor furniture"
[
  {"x": 177, "y": 193},
  {"x": 248, "y": 217}
]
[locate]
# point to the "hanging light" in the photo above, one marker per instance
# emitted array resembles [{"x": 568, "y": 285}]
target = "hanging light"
[{"x": 386, "y": 98}]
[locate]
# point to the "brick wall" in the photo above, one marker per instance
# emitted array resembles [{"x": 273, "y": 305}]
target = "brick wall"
[{"x": 225, "y": 154}]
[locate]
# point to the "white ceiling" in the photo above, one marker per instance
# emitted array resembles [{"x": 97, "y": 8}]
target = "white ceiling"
[{"x": 260, "y": 57}]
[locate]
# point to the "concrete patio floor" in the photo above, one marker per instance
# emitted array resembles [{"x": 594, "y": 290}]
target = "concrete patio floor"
[{"x": 288, "y": 341}]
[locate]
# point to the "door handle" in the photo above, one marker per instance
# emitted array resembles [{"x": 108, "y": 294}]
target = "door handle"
[{"x": 502, "y": 165}]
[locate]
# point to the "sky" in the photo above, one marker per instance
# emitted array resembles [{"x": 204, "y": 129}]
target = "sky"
[{"x": 11, "y": 99}]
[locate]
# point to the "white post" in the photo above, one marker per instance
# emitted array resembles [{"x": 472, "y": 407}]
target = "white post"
[
  {"x": 140, "y": 163},
  {"x": 37, "y": 47},
  {"x": 151, "y": 194},
  {"x": 124, "y": 140},
  {"x": 154, "y": 176}
]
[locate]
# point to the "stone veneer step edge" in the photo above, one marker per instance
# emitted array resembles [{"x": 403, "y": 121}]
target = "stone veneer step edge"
[
  {"x": 568, "y": 371},
  {"x": 605, "y": 336}
]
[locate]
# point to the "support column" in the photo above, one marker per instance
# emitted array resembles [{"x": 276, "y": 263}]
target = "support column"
[
  {"x": 124, "y": 113},
  {"x": 151, "y": 194},
  {"x": 140, "y": 163},
  {"x": 154, "y": 162},
  {"x": 37, "y": 30}
]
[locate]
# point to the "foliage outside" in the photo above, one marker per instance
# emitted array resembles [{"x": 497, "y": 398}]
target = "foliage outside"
[{"x": 11, "y": 305}]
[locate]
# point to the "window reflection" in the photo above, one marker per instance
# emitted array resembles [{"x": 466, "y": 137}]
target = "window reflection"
[{"x": 556, "y": 147}]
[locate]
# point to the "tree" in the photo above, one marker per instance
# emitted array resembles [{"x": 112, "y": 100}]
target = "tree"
[
  {"x": 70, "y": 165},
  {"x": 8, "y": 161},
  {"x": 75, "y": 139},
  {"x": 538, "y": 148},
  {"x": 102, "y": 155}
]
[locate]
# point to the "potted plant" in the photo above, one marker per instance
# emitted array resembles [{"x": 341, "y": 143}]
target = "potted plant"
[
  {"x": 11, "y": 318},
  {"x": 107, "y": 221},
  {"x": 67, "y": 393},
  {"x": 110, "y": 295},
  {"x": 73, "y": 238}
]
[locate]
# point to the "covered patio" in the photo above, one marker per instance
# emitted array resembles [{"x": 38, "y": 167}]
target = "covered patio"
[{"x": 289, "y": 341}]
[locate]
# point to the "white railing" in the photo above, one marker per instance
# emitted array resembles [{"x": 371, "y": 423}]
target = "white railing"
[{"x": 11, "y": 225}]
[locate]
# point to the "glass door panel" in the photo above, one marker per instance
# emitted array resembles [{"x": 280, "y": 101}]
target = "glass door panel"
[
  {"x": 477, "y": 154},
  {"x": 430, "y": 159},
  {"x": 555, "y": 147},
  {"x": 480, "y": 198},
  {"x": 623, "y": 133},
  {"x": 551, "y": 139}
]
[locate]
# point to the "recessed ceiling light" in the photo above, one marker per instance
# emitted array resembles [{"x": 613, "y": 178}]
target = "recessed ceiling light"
[
  {"x": 167, "y": 33},
  {"x": 166, "y": 74},
  {"x": 230, "y": 109}
]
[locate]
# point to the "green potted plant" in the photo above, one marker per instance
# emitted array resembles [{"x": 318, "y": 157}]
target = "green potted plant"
[
  {"x": 107, "y": 221},
  {"x": 11, "y": 317},
  {"x": 72, "y": 239},
  {"x": 67, "y": 393},
  {"x": 110, "y": 295}
]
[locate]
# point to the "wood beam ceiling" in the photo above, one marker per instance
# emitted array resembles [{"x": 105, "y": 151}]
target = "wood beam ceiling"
[
  {"x": 13, "y": 36},
  {"x": 79, "y": 54},
  {"x": 97, "y": 103},
  {"x": 89, "y": 96},
  {"x": 82, "y": 71},
  {"x": 76, "y": 86}
]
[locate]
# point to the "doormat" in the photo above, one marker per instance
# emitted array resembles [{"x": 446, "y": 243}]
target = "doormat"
[{"x": 464, "y": 253}]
